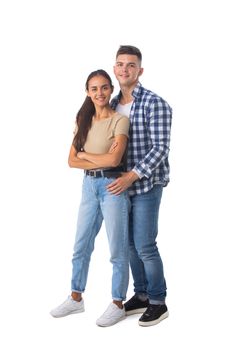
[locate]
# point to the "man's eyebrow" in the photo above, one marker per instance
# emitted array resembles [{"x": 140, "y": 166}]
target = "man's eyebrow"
[{"x": 134, "y": 63}]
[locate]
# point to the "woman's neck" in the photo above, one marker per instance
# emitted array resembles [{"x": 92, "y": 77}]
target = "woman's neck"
[{"x": 103, "y": 113}]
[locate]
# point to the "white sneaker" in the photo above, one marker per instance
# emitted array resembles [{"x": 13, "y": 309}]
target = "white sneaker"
[
  {"x": 70, "y": 306},
  {"x": 112, "y": 315}
]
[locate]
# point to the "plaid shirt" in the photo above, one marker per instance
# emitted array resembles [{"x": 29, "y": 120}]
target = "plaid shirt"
[{"x": 149, "y": 139}]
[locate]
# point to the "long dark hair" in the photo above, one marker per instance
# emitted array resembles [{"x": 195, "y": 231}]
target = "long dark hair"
[{"x": 86, "y": 112}]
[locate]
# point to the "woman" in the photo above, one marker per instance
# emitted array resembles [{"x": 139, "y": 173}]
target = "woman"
[{"x": 98, "y": 128}]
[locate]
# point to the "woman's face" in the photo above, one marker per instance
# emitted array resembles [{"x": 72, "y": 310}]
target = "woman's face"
[{"x": 99, "y": 90}]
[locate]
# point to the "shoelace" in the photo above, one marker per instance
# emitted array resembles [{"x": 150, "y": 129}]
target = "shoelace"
[{"x": 150, "y": 309}]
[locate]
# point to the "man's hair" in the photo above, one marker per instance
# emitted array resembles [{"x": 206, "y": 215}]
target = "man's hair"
[{"x": 129, "y": 50}]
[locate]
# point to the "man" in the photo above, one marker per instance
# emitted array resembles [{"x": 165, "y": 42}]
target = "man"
[{"x": 147, "y": 174}]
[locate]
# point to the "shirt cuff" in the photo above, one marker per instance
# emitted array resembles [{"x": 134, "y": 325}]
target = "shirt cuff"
[{"x": 138, "y": 174}]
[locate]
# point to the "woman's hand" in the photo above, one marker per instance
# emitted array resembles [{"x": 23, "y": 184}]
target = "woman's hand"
[
  {"x": 113, "y": 147},
  {"x": 81, "y": 155}
]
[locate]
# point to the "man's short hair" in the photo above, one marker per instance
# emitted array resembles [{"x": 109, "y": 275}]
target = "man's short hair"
[{"x": 129, "y": 50}]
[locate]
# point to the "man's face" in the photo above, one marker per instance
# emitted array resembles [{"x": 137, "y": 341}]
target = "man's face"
[{"x": 127, "y": 70}]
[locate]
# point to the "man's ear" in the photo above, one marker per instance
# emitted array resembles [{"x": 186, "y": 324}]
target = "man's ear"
[{"x": 141, "y": 72}]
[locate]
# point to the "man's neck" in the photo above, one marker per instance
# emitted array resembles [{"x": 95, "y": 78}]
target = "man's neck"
[{"x": 126, "y": 94}]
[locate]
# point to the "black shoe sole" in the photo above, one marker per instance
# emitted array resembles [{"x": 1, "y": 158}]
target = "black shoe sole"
[{"x": 154, "y": 322}]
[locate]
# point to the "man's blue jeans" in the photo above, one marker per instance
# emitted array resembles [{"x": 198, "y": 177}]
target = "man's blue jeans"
[
  {"x": 145, "y": 261},
  {"x": 97, "y": 204}
]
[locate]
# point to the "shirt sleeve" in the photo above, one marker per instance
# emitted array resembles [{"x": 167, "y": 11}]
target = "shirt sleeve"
[
  {"x": 122, "y": 126},
  {"x": 159, "y": 128}
]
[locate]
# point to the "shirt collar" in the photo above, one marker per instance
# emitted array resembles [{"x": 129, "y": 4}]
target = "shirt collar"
[
  {"x": 137, "y": 90},
  {"x": 135, "y": 93}
]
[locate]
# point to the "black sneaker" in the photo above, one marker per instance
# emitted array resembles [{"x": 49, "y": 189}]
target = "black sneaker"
[
  {"x": 135, "y": 306},
  {"x": 153, "y": 315}
]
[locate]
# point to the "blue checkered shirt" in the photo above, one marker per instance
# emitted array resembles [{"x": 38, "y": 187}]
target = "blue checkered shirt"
[{"x": 149, "y": 139}]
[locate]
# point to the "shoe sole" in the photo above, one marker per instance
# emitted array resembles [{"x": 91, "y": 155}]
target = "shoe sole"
[
  {"x": 153, "y": 323},
  {"x": 70, "y": 313},
  {"x": 135, "y": 311},
  {"x": 108, "y": 325}
]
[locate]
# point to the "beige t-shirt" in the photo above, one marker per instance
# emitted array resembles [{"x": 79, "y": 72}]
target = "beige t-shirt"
[{"x": 101, "y": 135}]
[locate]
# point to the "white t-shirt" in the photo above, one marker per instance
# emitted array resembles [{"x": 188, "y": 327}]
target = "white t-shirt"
[{"x": 124, "y": 109}]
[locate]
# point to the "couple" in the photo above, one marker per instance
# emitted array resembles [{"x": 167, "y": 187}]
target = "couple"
[{"x": 128, "y": 199}]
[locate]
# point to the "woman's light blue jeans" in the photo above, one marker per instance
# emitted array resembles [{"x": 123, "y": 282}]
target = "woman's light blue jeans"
[
  {"x": 97, "y": 204},
  {"x": 145, "y": 261}
]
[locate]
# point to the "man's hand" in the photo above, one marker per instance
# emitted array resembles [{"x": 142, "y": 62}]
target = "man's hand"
[{"x": 122, "y": 183}]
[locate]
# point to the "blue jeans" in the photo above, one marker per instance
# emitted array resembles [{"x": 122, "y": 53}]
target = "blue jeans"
[
  {"x": 97, "y": 204},
  {"x": 145, "y": 261}
]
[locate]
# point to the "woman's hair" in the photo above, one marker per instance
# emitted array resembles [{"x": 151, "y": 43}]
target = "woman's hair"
[{"x": 86, "y": 112}]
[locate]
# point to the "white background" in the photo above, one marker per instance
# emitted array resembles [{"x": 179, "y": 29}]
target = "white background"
[{"x": 47, "y": 50}]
